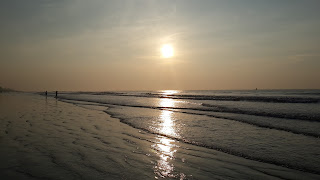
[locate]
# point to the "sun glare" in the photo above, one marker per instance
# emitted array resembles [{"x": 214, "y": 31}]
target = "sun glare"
[{"x": 167, "y": 51}]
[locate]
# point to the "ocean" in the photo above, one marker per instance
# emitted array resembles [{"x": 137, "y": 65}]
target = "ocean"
[
  {"x": 279, "y": 127},
  {"x": 171, "y": 134}
]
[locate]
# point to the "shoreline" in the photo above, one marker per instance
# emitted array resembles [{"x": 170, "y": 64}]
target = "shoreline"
[{"x": 47, "y": 138}]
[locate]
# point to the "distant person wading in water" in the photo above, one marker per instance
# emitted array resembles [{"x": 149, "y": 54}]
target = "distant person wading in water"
[{"x": 56, "y": 94}]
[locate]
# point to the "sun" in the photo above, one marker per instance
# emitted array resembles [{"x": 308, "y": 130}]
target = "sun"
[{"x": 167, "y": 51}]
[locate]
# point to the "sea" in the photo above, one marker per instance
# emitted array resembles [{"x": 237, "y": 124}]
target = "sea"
[{"x": 279, "y": 127}]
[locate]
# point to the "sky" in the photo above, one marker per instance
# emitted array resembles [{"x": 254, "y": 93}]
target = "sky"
[{"x": 100, "y": 45}]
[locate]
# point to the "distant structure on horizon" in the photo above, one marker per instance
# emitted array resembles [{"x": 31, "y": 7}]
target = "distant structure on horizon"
[{"x": 6, "y": 90}]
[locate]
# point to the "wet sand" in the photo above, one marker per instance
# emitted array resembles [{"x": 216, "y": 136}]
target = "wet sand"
[{"x": 44, "y": 138}]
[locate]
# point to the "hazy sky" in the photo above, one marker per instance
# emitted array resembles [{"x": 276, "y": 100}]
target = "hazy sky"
[{"x": 102, "y": 45}]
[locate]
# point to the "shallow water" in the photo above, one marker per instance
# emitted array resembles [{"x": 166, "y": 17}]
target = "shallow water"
[
  {"x": 67, "y": 139},
  {"x": 277, "y": 127}
]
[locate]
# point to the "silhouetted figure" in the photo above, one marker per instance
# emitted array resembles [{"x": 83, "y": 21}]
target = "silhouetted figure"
[
  {"x": 56, "y": 94},
  {"x": 46, "y": 93}
]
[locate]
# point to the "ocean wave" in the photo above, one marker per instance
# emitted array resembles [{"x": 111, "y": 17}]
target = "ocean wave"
[
  {"x": 273, "y": 99},
  {"x": 292, "y": 115},
  {"x": 205, "y": 110},
  {"x": 286, "y": 97},
  {"x": 222, "y": 115},
  {"x": 217, "y": 147},
  {"x": 205, "y": 107}
]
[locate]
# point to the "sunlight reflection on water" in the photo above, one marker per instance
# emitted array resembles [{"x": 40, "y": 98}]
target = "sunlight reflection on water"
[
  {"x": 167, "y": 124},
  {"x": 167, "y": 102},
  {"x": 169, "y": 92},
  {"x": 166, "y": 147},
  {"x": 165, "y": 151}
]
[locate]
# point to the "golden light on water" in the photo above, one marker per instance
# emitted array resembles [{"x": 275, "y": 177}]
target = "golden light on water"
[
  {"x": 166, "y": 153},
  {"x": 169, "y": 92},
  {"x": 166, "y": 147},
  {"x": 167, "y": 125},
  {"x": 166, "y": 103},
  {"x": 167, "y": 51}
]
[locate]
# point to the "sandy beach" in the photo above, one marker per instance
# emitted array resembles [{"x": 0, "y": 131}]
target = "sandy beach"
[
  {"x": 140, "y": 89},
  {"x": 44, "y": 138}
]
